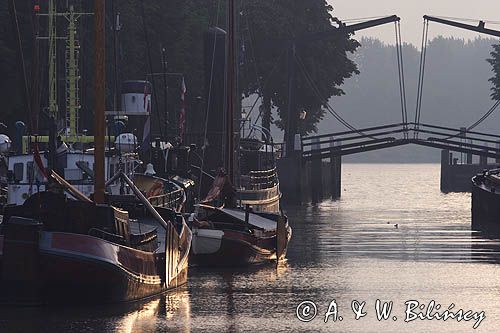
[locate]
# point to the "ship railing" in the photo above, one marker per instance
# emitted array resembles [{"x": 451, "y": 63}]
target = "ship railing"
[
  {"x": 168, "y": 200},
  {"x": 99, "y": 233},
  {"x": 259, "y": 180}
]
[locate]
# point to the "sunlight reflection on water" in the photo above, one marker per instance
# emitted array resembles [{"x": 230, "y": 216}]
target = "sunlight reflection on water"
[{"x": 346, "y": 250}]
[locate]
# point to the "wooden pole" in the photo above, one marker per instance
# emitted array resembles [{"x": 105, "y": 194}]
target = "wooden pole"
[
  {"x": 35, "y": 72},
  {"x": 99, "y": 100}
]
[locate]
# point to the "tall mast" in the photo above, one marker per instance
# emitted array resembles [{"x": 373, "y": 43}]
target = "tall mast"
[
  {"x": 116, "y": 42},
  {"x": 35, "y": 72},
  {"x": 72, "y": 76},
  {"x": 230, "y": 87},
  {"x": 99, "y": 100}
]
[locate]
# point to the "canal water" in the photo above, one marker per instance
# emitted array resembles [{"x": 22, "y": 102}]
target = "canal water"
[{"x": 392, "y": 237}]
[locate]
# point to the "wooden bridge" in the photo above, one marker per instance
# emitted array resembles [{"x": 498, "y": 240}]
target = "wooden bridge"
[
  {"x": 393, "y": 135},
  {"x": 303, "y": 166}
]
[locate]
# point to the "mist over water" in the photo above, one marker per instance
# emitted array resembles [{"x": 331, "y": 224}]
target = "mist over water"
[{"x": 345, "y": 250}]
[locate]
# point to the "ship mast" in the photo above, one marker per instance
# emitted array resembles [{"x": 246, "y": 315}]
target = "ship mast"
[{"x": 99, "y": 100}]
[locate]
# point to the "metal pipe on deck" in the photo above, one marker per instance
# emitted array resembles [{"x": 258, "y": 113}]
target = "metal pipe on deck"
[{"x": 144, "y": 201}]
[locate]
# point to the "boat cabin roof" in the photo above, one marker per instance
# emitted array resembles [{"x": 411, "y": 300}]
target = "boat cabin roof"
[{"x": 253, "y": 219}]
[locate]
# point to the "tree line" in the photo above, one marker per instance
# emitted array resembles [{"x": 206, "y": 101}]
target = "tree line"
[{"x": 459, "y": 85}]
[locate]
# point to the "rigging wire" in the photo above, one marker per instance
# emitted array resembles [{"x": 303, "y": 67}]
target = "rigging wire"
[
  {"x": 324, "y": 101},
  {"x": 261, "y": 85},
  {"x": 150, "y": 62},
  {"x": 256, "y": 69},
  {"x": 478, "y": 122},
  {"x": 315, "y": 89},
  {"x": 423, "y": 55},
  {"x": 266, "y": 82},
  {"x": 468, "y": 19},
  {"x": 403, "y": 75},
  {"x": 15, "y": 22},
  {"x": 207, "y": 111},
  {"x": 485, "y": 116},
  {"x": 252, "y": 48},
  {"x": 360, "y": 19}
]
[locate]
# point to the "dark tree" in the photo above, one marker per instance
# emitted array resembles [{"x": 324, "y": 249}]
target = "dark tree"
[
  {"x": 495, "y": 63},
  {"x": 266, "y": 27},
  {"x": 322, "y": 65}
]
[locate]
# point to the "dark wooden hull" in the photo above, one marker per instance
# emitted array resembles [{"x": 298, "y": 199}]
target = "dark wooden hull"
[
  {"x": 485, "y": 206},
  {"x": 65, "y": 268},
  {"x": 237, "y": 249}
]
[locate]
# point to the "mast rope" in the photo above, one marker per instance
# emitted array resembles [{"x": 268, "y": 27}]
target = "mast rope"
[
  {"x": 260, "y": 95},
  {"x": 150, "y": 63},
  {"x": 15, "y": 22},
  {"x": 207, "y": 111}
]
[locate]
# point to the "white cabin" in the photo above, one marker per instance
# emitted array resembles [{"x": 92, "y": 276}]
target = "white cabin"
[{"x": 76, "y": 167}]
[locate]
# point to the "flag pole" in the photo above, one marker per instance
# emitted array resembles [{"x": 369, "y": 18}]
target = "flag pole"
[{"x": 182, "y": 115}]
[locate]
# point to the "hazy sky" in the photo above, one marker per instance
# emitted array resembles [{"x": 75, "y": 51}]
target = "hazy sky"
[{"x": 411, "y": 12}]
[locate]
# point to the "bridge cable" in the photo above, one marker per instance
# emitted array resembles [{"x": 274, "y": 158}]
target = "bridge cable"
[
  {"x": 423, "y": 56},
  {"x": 315, "y": 89},
  {"x": 485, "y": 116},
  {"x": 478, "y": 122},
  {"x": 468, "y": 19},
  {"x": 402, "y": 88}
]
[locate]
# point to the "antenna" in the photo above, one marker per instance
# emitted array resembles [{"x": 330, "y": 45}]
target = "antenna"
[{"x": 72, "y": 72}]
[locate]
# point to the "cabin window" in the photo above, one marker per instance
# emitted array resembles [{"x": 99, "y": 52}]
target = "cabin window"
[
  {"x": 30, "y": 172},
  {"x": 18, "y": 172}
]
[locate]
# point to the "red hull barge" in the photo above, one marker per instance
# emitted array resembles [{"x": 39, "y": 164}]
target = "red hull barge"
[{"x": 42, "y": 266}]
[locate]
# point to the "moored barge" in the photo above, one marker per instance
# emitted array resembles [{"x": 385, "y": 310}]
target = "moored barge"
[{"x": 486, "y": 202}]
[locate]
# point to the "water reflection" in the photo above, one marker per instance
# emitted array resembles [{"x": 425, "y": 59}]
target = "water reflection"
[
  {"x": 141, "y": 320},
  {"x": 170, "y": 311},
  {"x": 347, "y": 249}
]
